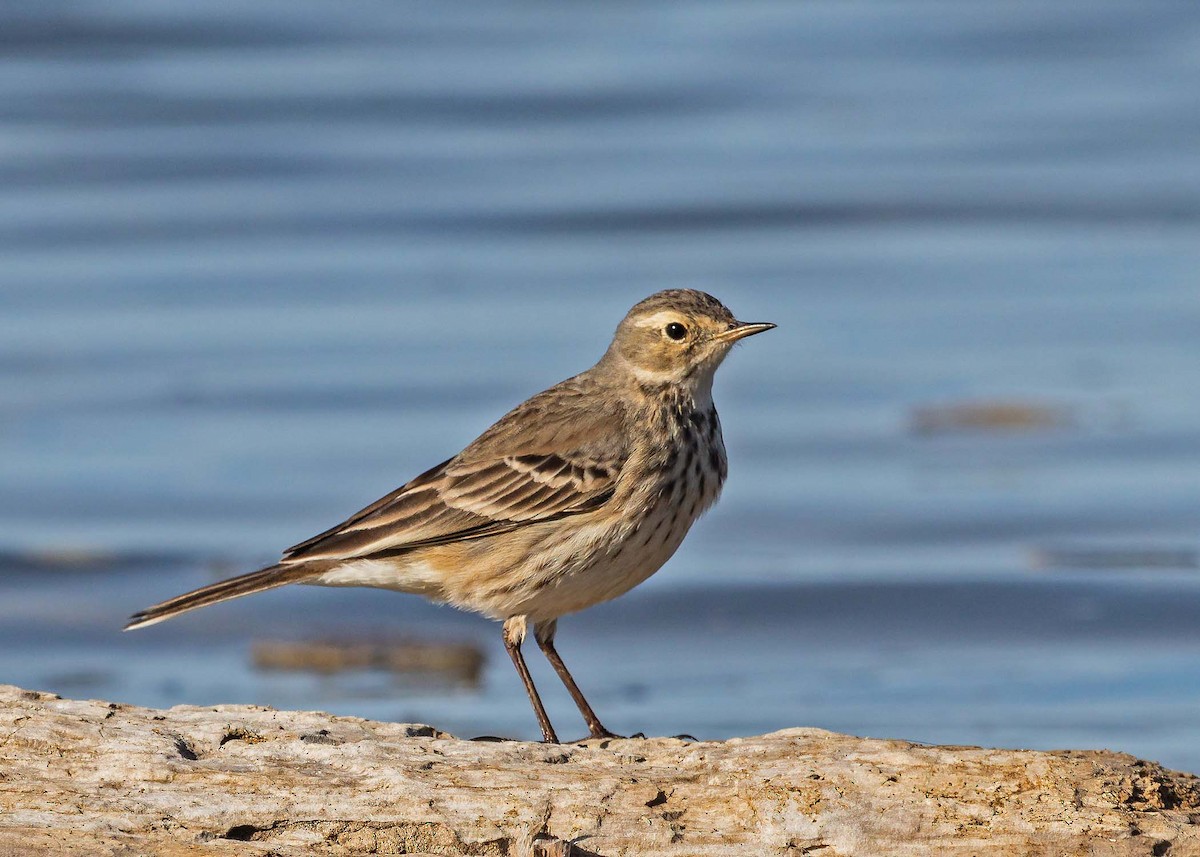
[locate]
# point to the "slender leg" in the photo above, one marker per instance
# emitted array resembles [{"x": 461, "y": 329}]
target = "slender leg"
[
  {"x": 514, "y": 634},
  {"x": 544, "y": 633}
]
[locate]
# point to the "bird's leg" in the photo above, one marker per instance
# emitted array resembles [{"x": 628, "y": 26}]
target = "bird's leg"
[
  {"x": 544, "y": 632},
  {"x": 514, "y": 634}
]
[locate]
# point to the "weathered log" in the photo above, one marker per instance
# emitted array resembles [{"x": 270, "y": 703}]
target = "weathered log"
[{"x": 103, "y": 778}]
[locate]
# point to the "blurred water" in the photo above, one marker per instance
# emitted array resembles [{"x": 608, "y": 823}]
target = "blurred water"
[{"x": 261, "y": 263}]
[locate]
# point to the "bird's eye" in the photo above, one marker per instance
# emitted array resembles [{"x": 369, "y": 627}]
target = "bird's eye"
[{"x": 676, "y": 331}]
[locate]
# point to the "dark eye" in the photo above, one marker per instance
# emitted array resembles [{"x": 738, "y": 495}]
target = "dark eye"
[{"x": 676, "y": 331}]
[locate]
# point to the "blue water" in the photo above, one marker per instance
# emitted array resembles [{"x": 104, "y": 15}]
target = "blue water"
[{"x": 260, "y": 263}]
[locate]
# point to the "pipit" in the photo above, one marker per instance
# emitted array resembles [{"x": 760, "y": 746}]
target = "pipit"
[{"x": 573, "y": 498}]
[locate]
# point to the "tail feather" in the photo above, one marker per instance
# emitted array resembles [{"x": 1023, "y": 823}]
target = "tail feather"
[{"x": 235, "y": 587}]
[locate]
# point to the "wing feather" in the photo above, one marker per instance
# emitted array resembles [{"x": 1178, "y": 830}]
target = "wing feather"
[{"x": 552, "y": 457}]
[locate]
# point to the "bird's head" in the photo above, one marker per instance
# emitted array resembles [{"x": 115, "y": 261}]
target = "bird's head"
[{"x": 678, "y": 337}]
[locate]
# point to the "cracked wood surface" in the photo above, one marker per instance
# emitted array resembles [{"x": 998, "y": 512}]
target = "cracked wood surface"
[{"x": 101, "y": 778}]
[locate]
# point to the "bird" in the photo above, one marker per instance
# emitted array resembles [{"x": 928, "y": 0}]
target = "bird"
[{"x": 571, "y": 499}]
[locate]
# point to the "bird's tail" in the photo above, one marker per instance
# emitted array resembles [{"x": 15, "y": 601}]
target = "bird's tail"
[{"x": 246, "y": 584}]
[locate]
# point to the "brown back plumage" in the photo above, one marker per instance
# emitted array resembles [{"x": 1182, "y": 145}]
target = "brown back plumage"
[{"x": 553, "y": 456}]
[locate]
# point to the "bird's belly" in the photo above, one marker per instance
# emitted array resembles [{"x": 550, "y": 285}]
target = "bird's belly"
[
  {"x": 623, "y": 563},
  {"x": 546, "y": 570},
  {"x": 555, "y": 572},
  {"x": 614, "y": 561},
  {"x": 609, "y": 559}
]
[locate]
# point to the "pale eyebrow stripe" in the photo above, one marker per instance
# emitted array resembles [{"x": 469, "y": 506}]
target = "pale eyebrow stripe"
[{"x": 660, "y": 317}]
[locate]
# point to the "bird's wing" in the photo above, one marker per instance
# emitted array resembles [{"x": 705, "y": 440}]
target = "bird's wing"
[{"x": 554, "y": 456}]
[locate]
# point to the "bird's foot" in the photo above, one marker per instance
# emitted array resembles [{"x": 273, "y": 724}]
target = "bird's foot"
[
  {"x": 496, "y": 739},
  {"x": 604, "y": 733},
  {"x": 600, "y": 733},
  {"x": 641, "y": 736}
]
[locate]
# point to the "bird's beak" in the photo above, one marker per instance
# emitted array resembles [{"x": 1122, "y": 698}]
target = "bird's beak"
[{"x": 742, "y": 329}]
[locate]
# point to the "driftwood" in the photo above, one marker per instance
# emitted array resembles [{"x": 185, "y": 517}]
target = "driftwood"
[{"x": 102, "y": 778}]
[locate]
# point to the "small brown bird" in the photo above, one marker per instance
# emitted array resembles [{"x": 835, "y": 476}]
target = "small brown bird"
[{"x": 573, "y": 498}]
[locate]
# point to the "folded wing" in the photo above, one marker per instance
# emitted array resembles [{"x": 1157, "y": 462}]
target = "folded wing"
[{"x": 553, "y": 457}]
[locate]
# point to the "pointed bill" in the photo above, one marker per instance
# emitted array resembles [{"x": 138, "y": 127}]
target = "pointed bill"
[{"x": 742, "y": 329}]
